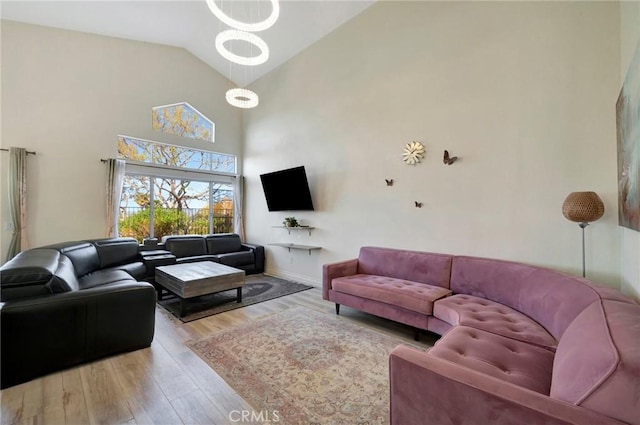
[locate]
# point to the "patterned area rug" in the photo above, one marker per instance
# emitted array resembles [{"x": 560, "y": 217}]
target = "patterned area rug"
[
  {"x": 257, "y": 288},
  {"x": 305, "y": 367}
]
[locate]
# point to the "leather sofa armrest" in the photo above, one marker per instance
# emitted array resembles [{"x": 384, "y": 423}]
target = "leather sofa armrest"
[
  {"x": 334, "y": 270},
  {"x": 248, "y": 246},
  {"x": 45, "y": 334},
  {"x": 258, "y": 253},
  {"x": 424, "y": 386}
]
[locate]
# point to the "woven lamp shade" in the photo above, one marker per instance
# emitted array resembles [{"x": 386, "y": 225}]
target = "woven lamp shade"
[{"x": 583, "y": 207}]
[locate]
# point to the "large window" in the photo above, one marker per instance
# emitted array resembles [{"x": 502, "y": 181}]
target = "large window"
[
  {"x": 172, "y": 190},
  {"x": 150, "y": 152}
]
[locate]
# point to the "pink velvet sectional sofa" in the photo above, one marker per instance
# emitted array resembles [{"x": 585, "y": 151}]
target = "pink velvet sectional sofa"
[{"x": 520, "y": 344}]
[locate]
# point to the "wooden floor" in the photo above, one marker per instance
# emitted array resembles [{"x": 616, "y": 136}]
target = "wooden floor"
[{"x": 164, "y": 384}]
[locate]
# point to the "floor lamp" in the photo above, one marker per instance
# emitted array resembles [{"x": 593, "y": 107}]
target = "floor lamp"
[{"x": 583, "y": 208}]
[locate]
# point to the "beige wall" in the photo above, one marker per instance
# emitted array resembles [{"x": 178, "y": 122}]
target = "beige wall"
[
  {"x": 67, "y": 95},
  {"x": 630, "y": 239},
  {"x": 523, "y": 92}
]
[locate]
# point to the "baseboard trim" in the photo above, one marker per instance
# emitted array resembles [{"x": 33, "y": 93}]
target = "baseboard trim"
[{"x": 292, "y": 276}]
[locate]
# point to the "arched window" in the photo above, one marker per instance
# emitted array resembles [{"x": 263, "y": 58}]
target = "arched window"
[{"x": 182, "y": 119}]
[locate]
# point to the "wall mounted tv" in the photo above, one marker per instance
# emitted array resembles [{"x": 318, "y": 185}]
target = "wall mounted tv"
[{"x": 287, "y": 190}]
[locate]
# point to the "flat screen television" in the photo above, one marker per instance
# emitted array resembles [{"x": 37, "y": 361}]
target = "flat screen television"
[{"x": 287, "y": 190}]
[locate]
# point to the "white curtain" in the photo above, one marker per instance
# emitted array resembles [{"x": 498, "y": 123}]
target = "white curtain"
[
  {"x": 115, "y": 180},
  {"x": 238, "y": 206},
  {"x": 17, "y": 200}
]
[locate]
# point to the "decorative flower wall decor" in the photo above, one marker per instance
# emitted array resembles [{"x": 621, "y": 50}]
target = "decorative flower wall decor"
[{"x": 413, "y": 153}]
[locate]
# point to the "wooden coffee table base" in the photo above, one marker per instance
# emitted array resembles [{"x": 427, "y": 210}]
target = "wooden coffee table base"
[
  {"x": 183, "y": 301},
  {"x": 191, "y": 280}
]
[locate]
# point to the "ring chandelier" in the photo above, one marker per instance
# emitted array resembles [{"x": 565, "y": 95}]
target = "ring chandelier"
[
  {"x": 246, "y": 26},
  {"x": 242, "y": 98},
  {"x": 229, "y": 35},
  {"x": 239, "y": 97}
]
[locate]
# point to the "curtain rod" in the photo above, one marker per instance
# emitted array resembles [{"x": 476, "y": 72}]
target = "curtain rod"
[{"x": 7, "y": 150}]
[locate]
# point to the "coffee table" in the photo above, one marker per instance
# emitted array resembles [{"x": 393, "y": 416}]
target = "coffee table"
[{"x": 190, "y": 280}]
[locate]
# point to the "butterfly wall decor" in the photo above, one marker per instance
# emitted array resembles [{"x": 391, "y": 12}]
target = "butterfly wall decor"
[
  {"x": 418, "y": 204},
  {"x": 447, "y": 159},
  {"x": 389, "y": 182}
]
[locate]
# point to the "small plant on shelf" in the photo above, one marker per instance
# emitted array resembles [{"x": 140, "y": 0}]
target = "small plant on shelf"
[{"x": 290, "y": 222}]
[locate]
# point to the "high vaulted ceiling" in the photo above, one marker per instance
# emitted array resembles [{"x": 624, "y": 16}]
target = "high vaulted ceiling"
[{"x": 191, "y": 25}]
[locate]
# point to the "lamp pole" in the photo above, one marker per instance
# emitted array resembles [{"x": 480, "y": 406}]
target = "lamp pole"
[{"x": 582, "y": 226}]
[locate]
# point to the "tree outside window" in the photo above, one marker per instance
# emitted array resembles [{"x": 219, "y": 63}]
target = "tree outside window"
[
  {"x": 155, "y": 206},
  {"x": 183, "y": 120}
]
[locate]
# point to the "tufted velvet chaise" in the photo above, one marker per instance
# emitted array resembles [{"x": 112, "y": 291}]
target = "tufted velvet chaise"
[{"x": 520, "y": 343}]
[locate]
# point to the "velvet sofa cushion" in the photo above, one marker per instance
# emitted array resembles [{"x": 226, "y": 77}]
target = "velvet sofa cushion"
[
  {"x": 223, "y": 243},
  {"x": 597, "y": 363},
  {"x": 414, "y": 296},
  {"x": 424, "y": 267},
  {"x": 493, "y": 317},
  {"x": 381, "y": 309},
  {"x": 551, "y": 298},
  {"x": 504, "y": 358}
]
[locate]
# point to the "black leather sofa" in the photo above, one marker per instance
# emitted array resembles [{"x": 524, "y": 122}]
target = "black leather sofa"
[
  {"x": 70, "y": 303},
  {"x": 224, "y": 248}
]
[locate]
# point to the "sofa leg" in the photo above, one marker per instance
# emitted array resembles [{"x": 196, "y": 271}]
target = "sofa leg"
[
  {"x": 337, "y": 308},
  {"x": 417, "y": 335}
]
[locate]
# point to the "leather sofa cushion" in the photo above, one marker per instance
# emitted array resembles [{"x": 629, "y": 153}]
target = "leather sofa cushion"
[
  {"x": 83, "y": 255},
  {"x": 27, "y": 274},
  {"x": 223, "y": 243},
  {"x": 509, "y": 360},
  {"x": 64, "y": 279},
  {"x": 236, "y": 259},
  {"x": 197, "y": 258},
  {"x": 104, "y": 277},
  {"x": 116, "y": 251},
  {"x": 137, "y": 270},
  {"x": 185, "y": 246},
  {"x": 415, "y": 266},
  {"x": 490, "y": 316},
  {"x": 154, "y": 252},
  {"x": 598, "y": 361},
  {"x": 414, "y": 296},
  {"x": 37, "y": 272},
  {"x": 33, "y": 267}
]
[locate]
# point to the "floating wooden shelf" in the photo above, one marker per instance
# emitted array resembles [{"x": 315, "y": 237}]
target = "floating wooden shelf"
[
  {"x": 297, "y": 246},
  {"x": 289, "y": 229}
]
